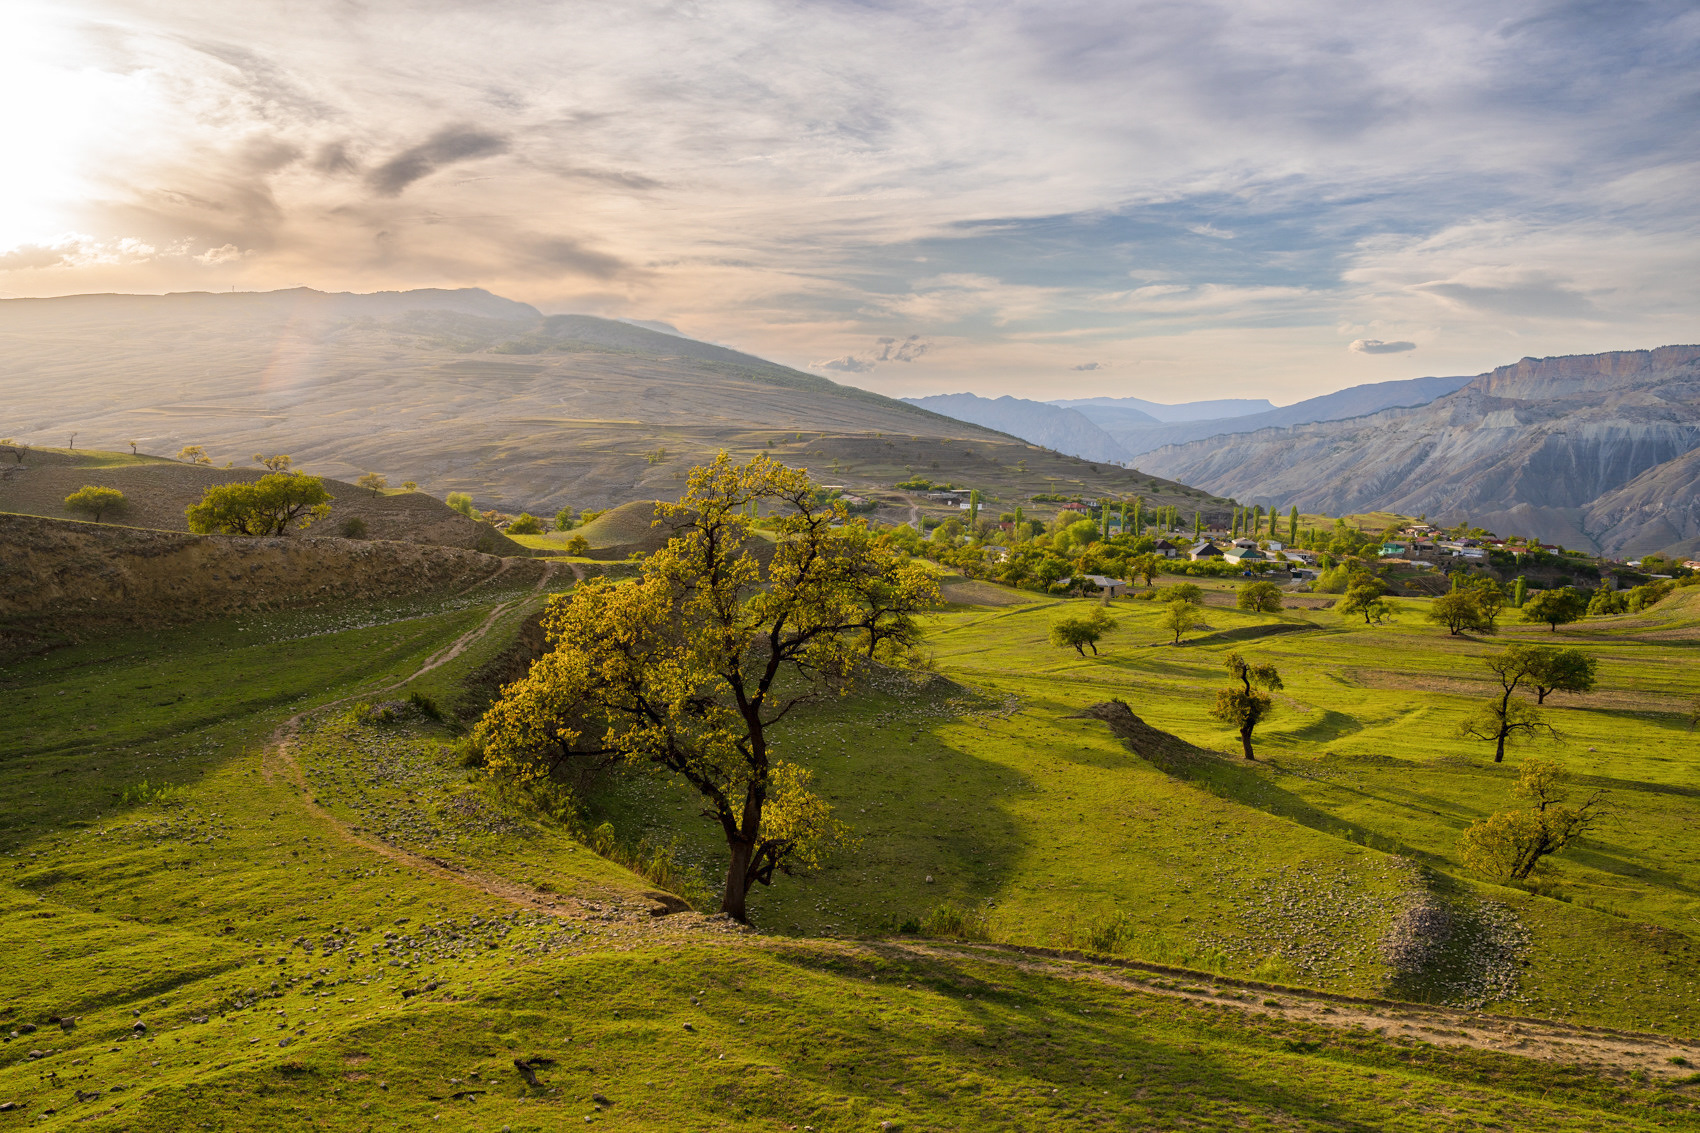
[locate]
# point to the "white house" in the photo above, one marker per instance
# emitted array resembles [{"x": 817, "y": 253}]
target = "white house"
[
  {"x": 1240, "y": 555},
  {"x": 1114, "y": 587}
]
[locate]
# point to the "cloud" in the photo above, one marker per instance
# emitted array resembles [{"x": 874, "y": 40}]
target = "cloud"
[
  {"x": 78, "y": 251},
  {"x": 446, "y": 147},
  {"x": 228, "y": 254},
  {"x": 1540, "y": 299},
  {"x": 886, "y": 349},
  {"x": 1376, "y": 346},
  {"x": 26, "y": 256},
  {"x": 1091, "y": 366}
]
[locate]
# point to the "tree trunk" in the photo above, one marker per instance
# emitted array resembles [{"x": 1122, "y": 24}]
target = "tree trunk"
[
  {"x": 1245, "y": 741},
  {"x": 1541, "y": 695},
  {"x": 737, "y": 882},
  {"x": 1499, "y": 747}
]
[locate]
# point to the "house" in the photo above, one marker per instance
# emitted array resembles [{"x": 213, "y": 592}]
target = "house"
[
  {"x": 1242, "y": 541},
  {"x": 1306, "y": 557},
  {"x": 1272, "y": 545},
  {"x": 1205, "y": 550},
  {"x": 1114, "y": 587},
  {"x": 1165, "y": 549},
  {"x": 1081, "y": 508},
  {"x": 995, "y": 553},
  {"x": 1238, "y": 555},
  {"x": 1392, "y": 549}
]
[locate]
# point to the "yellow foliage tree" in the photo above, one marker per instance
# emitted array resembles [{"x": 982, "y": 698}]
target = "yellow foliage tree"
[
  {"x": 692, "y": 666},
  {"x": 1509, "y": 845}
]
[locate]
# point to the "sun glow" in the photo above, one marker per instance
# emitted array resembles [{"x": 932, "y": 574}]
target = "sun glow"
[{"x": 61, "y": 113}]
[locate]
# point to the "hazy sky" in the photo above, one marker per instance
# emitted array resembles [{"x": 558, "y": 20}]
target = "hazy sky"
[{"x": 1171, "y": 200}]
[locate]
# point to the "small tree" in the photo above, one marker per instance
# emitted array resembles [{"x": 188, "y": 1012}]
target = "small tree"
[
  {"x": 1506, "y": 717},
  {"x": 1259, "y": 597},
  {"x": 1463, "y": 609},
  {"x": 578, "y": 545},
  {"x": 94, "y": 502},
  {"x": 1178, "y": 617},
  {"x": 462, "y": 503},
  {"x": 1082, "y": 630},
  {"x": 410, "y": 485},
  {"x": 564, "y": 519},
  {"x": 1189, "y": 592},
  {"x": 132, "y": 445},
  {"x": 1556, "y": 607},
  {"x": 18, "y": 449},
  {"x": 267, "y": 506},
  {"x": 375, "y": 482},
  {"x": 1147, "y": 566},
  {"x": 1508, "y": 845},
  {"x": 525, "y": 524},
  {"x": 193, "y": 454},
  {"x": 1561, "y": 670},
  {"x": 1368, "y": 601},
  {"x": 277, "y": 463},
  {"x": 1246, "y": 705},
  {"x": 693, "y": 667}
]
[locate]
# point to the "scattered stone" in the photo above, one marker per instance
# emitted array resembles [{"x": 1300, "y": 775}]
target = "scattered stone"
[
  {"x": 26, "y": 1028},
  {"x": 689, "y": 1027},
  {"x": 600, "y": 1100}
]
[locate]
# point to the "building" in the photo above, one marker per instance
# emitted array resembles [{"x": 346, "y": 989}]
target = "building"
[
  {"x": 1238, "y": 555},
  {"x": 1393, "y": 549},
  {"x": 1114, "y": 587},
  {"x": 1165, "y": 549},
  {"x": 1205, "y": 550}
]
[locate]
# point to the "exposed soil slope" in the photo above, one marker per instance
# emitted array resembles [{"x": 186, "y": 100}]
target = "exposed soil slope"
[{"x": 65, "y": 576}]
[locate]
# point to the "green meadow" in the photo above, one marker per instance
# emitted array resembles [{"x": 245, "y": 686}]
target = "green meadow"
[{"x": 247, "y": 885}]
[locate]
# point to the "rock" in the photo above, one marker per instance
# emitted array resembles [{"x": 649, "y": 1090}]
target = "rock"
[
  {"x": 35, "y": 1054},
  {"x": 688, "y": 1027},
  {"x": 26, "y": 1028},
  {"x": 600, "y": 1100},
  {"x": 138, "y": 1026}
]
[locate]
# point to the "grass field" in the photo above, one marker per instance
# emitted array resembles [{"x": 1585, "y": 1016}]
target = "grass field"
[{"x": 320, "y": 922}]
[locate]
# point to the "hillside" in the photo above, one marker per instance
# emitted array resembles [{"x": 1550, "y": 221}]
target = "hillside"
[
  {"x": 458, "y": 390},
  {"x": 253, "y": 886},
  {"x": 1589, "y": 451},
  {"x": 157, "y": 491}
]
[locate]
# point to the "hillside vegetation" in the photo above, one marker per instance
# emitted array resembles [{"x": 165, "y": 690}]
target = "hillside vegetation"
[{"x": 252, "y": 886}]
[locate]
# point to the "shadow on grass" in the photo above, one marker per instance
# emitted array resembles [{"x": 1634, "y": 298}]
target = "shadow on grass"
[
  {"x": 1235, "y": 780},
  {"x": 1246, "y": 633}
]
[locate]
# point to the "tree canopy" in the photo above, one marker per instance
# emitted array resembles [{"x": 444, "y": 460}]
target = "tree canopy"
[
  {"x": 94, "y": 501},
  {"x": 1259, "y": 597},
  {"x": 1178, "y": 617},
  {"x": 1505, "y": 717},
  {"x": 1560, "y": 670},
  {"x": 1556, "y": 607},
  {"x": 1081, "y": 630},
  {"x": 267, "y": 506},
  {"x": 1508, "y": 845},
  {"x": 1470, "y": 607},
  {"x": 692, "y": 666}
]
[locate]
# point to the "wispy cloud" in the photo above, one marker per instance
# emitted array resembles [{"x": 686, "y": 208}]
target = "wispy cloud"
[
  {"x": 1376, "y": 346},
  {"x": 1295, "y": 176}
]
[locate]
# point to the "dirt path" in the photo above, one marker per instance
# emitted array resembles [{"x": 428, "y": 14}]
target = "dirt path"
[
  {"x": 1593, "y": 1047},
  {"x": 632, "y": 920}
]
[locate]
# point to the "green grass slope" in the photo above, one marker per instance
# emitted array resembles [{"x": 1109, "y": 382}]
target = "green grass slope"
[{"x": 235, "y": 898}]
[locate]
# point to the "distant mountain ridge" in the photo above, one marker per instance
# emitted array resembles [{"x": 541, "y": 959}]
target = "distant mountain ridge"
[
  {"x": 1065, "y": 430},
  {"x": 1184, "y": 411},
  {"x": 1595, "y": 451}
]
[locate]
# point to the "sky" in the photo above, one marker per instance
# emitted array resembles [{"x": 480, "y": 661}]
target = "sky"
[{"x": 1168, "y": 200}]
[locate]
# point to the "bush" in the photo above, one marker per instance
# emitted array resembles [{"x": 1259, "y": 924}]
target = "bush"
[
  {"x": 353, "y": 528},
  {"x": 462, "y": 503},
  {"x": 1188, "y": 592},
  {"x": 954, "y": 922},
  {"x": 525, "y": 524}
]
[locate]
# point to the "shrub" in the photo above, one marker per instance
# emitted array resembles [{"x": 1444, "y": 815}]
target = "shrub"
[
  {"x": 953, "y": 921},
  {"x": 1188, "y": 592},
  {"x": 462, "y": 503},
  {"x": 578, "y": 545},
  {"x": 140, "y": 794},
  {"x": 353, "y": 528},
  {"x": 525, "y": 524}
]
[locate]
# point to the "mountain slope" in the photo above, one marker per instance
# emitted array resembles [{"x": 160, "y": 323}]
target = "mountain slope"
[
  {"x": 1065, "y": 430},
  {"x": 1354, "y": 401},
  {"x": 1170, "y": 414},
  {"x": 455, "y": 389},
  {"x": 1533, "y": 447}
]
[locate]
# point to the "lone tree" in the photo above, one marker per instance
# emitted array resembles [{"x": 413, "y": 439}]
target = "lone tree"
[
  {"x": 1508, "y": 845},
  {"x": 462, "y": 503},
  {"x": 1082, "y": 630},
  {"x": 375, "y": 482},
  {"x": 692, "y": 666},
  {"x": 525, "y": 524},
  {"x": 18, "y": 449},
  {"x": 1178, "y": 617},
  {"x": 1470, "y": 608},
  {"x": 1146, "y": 566},
  {"x": 1249, "y": 704},
  {"x": 1259, "y": 597},
  {"x": 1366, "y": 598},
  {"x": 1556, "y": 607},
  {"x": 278, "y": 463},
  {"x": 267, "y": 506},
  {"x": 94, "y": 502},
  {"x": 193, "y": 454},
  {"x": 1561, "y": 670},
  {"x": 1505, "y": 717}
]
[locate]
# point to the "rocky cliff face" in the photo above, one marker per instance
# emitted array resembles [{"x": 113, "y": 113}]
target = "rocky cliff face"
[{"x": 1547, "y": 447}]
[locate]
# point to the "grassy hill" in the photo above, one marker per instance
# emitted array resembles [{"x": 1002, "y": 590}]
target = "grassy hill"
[
  {"x": 248, "y": 886},
  {"x": 157, "y": 491}
]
